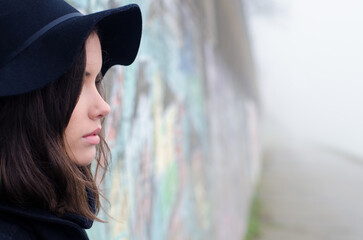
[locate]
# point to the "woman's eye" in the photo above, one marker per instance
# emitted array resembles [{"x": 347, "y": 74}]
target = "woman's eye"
[{"x": 98, "y": 80}]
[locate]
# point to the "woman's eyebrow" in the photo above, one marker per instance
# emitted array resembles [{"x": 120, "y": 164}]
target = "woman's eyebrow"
[{"x": 87, "y": 74}]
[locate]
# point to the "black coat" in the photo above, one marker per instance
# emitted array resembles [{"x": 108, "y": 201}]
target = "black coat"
[{"x": 16, "y": 223}]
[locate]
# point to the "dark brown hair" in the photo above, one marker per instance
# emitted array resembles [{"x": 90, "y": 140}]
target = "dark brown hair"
[{"x": 35, "y": 170}]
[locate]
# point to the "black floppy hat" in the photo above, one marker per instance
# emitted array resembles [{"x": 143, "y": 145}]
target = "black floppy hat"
[{"x": 39, "y": 40}]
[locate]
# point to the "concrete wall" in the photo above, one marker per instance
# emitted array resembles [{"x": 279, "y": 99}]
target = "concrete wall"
[{"x": 184, "y": 125}]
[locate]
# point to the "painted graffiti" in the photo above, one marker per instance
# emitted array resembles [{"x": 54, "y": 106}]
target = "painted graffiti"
[{"x": 184, "y": 138}]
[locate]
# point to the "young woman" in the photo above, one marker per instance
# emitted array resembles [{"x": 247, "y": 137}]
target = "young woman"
[{"x": 52, "y": 59}]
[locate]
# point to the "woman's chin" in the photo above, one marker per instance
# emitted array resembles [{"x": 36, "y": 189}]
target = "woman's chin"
[{"x": 85, "y": 159}]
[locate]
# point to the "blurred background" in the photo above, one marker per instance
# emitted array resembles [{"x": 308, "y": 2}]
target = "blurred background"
[
  {"x": 239, "y": 119},
  {"x": 309, "y": 59}
]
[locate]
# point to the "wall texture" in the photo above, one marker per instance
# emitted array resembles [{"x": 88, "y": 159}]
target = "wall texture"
[{"x": 184, "y": 125}]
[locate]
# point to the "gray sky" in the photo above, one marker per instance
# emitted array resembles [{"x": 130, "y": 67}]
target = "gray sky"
[{"x": 309, "y": 58}]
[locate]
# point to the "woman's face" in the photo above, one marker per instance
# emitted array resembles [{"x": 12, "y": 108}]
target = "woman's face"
[{"x": 81, "y": 134}]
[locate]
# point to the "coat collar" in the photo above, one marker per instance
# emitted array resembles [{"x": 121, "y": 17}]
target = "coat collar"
[
  {"x": 71, "y": 220},
  {"x": 74, "y": 220}
]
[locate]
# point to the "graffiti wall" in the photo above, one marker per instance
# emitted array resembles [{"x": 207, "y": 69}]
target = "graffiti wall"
[{"x": 184, "y": 125}]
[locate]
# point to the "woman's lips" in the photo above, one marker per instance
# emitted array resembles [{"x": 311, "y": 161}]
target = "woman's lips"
[{"x": 92, "y": 137}]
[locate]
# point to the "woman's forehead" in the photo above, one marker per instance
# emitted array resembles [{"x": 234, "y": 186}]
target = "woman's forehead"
[{"x": 93, "y": 54}]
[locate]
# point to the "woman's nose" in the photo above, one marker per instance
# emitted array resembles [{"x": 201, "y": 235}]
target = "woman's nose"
[{"x": 100, "y": 108}]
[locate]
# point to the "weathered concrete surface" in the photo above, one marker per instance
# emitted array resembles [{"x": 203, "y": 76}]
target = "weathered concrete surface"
[{"x": 311, "y": 194}]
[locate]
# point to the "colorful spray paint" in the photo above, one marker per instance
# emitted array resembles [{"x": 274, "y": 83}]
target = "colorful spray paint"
[{"x": 183, "y": 129}]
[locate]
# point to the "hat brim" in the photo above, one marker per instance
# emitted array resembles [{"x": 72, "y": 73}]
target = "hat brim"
[{"x": 53, "y": 54}]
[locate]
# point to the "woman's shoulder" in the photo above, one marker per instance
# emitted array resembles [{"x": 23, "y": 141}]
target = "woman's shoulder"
[
  {"x": 17, "y": 223},
  {"x": 11, "y": 229}
]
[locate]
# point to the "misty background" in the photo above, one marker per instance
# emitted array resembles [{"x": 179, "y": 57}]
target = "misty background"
[{"x": 309, "y": 56}]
